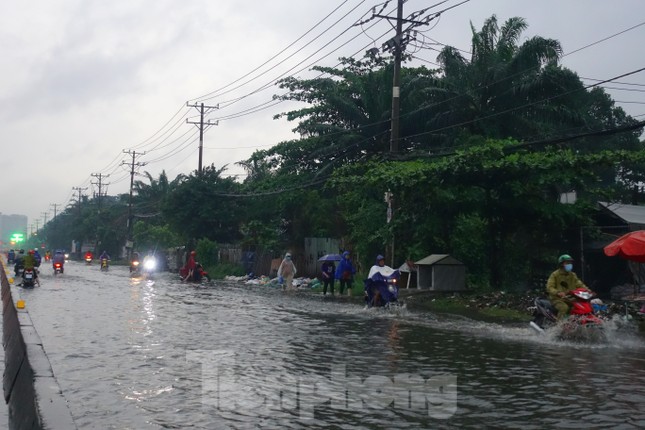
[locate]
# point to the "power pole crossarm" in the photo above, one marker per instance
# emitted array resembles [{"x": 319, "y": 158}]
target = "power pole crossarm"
[{"x": 203, "y": 110}]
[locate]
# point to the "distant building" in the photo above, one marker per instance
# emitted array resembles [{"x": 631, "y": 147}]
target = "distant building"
[{"x": 10, "y": 225}]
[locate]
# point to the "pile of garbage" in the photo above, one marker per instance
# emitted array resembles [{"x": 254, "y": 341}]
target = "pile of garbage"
[{"x": 298, "y": 283}]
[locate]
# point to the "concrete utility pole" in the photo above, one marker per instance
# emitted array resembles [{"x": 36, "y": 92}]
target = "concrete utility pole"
[
  {"x": 55, "y": 206},
  {"x": 203, "y": 110},
  {"x": 396, "y": 84},
  {"x": 130, "y": 243},
  {"x": 100, "y": 184},
  {"x": 44, "y": 214},
  {"x": 80, "y": 197},
  {"x": 397, "y": 45}
]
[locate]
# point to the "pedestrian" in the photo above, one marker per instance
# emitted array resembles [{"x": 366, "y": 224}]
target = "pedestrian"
[
  {"x": 328, "y": 270},
  {"x": 345, "y": 273},
  {"x": 287, "y": 271}
]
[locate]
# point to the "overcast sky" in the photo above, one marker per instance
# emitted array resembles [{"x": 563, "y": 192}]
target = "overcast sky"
[{"x": 83, "y": 80}]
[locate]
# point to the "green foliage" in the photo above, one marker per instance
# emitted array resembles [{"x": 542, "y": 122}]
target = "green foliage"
[
  {"x": 221, "y": 270},
  {"x": 206, "y": 252},
  {"x": 148, "y": 236}
]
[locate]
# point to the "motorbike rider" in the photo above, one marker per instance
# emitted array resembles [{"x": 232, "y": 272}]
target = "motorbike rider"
[
  {"x": 134, "y": 262},
  {"x": 379, "y": 267},
  {"x": 59, "y": 257},
  {"x": 18, "y": 262},
  {"x": 104, "y": 257},
  {"x": 37, "y": 257},
  {"x": 89, "y": 256},
  {"x": 29, "y": 263},
  {"x": 560, "y": 283},
  {"x": 191, "y": 274}
]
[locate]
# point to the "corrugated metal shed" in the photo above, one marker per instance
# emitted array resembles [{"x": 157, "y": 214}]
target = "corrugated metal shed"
[
  {"x": 632, "y": 215},
  {"x": 441, "y": 272}
]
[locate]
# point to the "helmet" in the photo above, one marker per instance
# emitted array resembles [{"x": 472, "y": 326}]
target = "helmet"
[
  {"x": 287, "y": 255},
  {"x": 31, "y": 252},
  {"x": 379, "y": 258},
  {"x": 193, "y": 253},
  {"x": 564, "y": 257}
]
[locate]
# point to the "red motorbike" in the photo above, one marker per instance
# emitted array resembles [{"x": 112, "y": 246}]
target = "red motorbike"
[{"x": 582, "y": 324}]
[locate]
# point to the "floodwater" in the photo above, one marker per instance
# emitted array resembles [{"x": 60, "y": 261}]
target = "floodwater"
[{"x": 155, "y": 354}]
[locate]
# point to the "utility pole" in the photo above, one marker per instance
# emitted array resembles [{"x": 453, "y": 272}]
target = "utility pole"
[
  {"x": 44, "y": 214},
  {"x": 397, "y": 45},
  {"x": 130, "y": 243},
  {"x": 80, "y": 197},
  {"x": 396, "y": 84},
  {"x": 203, "y": 110},
  {"x": 100, "y": 184},
  {"x": 54, "y": 205}
]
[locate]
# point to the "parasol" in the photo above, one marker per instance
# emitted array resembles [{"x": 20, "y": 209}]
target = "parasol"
[{"x": 630, "y": 246}]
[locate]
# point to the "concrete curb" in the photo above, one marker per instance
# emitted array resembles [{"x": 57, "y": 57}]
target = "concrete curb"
[{"x": 30, "y": 389}]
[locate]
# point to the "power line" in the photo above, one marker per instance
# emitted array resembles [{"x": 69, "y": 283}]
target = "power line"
[{"x": 217, "y": 92}]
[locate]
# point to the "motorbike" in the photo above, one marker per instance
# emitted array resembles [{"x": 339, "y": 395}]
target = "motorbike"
[
  {"x": 199, "y": 274},
  {"x": 105, "y": 264},
  {"x": 88, "y": 259},
  {"x": 58, "y": 268},
  {"x": 135, "y": 269},
  {"x": 28, "y": 278},
  {"x": 381, "y": 287},
  {"x": 149, "y": 266},
  {"x": 18, "y": 268},
  {"x": 582, "y": 323}
]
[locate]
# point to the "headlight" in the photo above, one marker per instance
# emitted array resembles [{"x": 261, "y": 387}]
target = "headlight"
[{"x": 150, "y": 264}]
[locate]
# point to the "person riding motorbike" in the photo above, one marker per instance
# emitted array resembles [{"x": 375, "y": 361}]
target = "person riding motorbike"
[
  {"x": 134, "y": 262},
  {"x": 379, "y": 267},
  {"x": 18, "y": 262},
  {"x": 89, "y": 257},
  {"x": 59, "y": 258},
  {"x": 189, "y": 271},
  {"x": 29, "y": 263},
  {"x": 104, "y": 258},
  {"x": 37, "y": 257},
  {"x": 560, "y": 283}
]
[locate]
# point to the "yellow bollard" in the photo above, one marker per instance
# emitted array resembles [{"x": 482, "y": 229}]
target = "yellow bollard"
[
  {"x": 11, "y": 280},
  {"x": 20, "y": 304}
]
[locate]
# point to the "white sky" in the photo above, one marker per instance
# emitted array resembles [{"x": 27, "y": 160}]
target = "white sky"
[{"x": 83, "y": 80}]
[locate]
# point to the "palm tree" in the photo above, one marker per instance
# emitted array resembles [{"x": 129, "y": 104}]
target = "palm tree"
[{"x": 501, "y": 91}]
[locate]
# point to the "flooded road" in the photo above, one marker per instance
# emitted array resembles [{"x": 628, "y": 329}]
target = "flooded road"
[{"x": 137, "y": 354}]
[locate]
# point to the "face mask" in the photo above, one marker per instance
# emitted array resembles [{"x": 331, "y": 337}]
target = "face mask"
[{"x": 568, "y": 267}]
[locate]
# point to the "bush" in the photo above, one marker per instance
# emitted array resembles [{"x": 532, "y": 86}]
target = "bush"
[
  {"x": 206, "y": 252},
  {"x": 219, "y": 271}
]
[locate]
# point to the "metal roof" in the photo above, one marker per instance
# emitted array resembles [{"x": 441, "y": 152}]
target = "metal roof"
[
  {"x": 438, "y": 258},
  {"x": 630, "y": 214}
]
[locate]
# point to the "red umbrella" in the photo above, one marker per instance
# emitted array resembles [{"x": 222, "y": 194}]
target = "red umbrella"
[{"x": 630, "y": 246}]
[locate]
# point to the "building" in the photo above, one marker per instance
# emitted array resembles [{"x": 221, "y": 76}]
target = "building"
[{"x": 10, "y": 225}]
